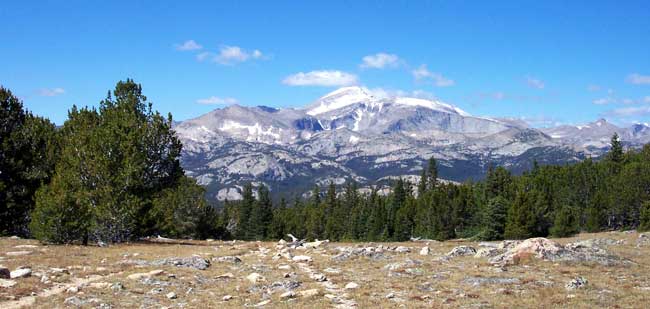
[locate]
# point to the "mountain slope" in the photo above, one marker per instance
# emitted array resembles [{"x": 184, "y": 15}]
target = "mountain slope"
[{"x": 351, "y": 134}]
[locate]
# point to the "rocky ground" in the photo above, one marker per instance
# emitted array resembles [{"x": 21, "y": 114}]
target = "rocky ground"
[{"x": 587, "y": 271}]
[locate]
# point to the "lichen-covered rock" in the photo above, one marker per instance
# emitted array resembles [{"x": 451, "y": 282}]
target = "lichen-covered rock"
[
  {"x": 576, "y": 283},
  {"x": 461, "y": 251},
  {"x": 194, "y": 261}
]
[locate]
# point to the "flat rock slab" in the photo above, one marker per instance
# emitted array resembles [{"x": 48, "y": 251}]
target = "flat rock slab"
[
  {"x": 20, "y": 273},
  {"x": 18, "y": 253}
]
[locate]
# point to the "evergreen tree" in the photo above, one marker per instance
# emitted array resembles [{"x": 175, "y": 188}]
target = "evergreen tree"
[
  {"x": 494, "y": 219},
  {"x": 565, "y": 223},
  {"x": 520, "y": 221},
  {"x": 432, "y": 172},
  {"x": 644, "y": 220},
  {"x": 261, "y": 215},
  {"x": 28, "y": 149},
  {"x": 245, "y": 211}
]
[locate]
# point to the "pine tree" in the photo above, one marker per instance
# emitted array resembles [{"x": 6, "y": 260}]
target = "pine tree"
[
  {"x": 245, "y": 209},
  {"x": 520, "y": 221},
  {"x": 28, "y": 150},
  {"x": 565, "y": 223},
  {"x": 432, "y": 172},
  {"x": 644, "y": 218},
  {"x": 494, "y": 219},
  {"x": 261, "y": 214}
]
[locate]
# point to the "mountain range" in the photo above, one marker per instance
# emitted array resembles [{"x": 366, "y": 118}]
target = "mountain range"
[{"x": 354, "y": 134}]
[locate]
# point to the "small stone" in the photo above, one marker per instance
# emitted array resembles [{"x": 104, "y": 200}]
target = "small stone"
[
  {"x": 99, "y": 285},
  {"x": 117, "y": 286},
  {"x": 138, "y": 276},
  {"x": 576, "y": 283},
  {"x": 21, "y": 273},
  {"x": 318, "y": 277},
  {"x": 287, "y": 295},
  {"x": 390, "y": 295},
  {"x": 171, "y": 295},
  {"x": 262, "y": 303},
  {"x": 309, "y": 293},
  {"x": 351, "y": 286},
  {"x": 101, "y": 269},
  {"x": 73, "y": 289},
  {"x": 284, "y": 267},
  {"x": 226, "y": 276},
  {"x": 4, "y": 283},
  {"x": 25, "y": 246},
  {"x": 59, "y": 270},
  {"x": 302, "y": 258},
  {"x": 425, "y": 250},
  {"x": 255, "y": 278},
  {"x": 227, "y": 298}
]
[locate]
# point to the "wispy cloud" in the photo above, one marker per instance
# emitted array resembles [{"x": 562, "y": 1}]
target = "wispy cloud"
[
  {"x": 604, "y": 101},
  {"x": 638, "y": 79},
  {"x": 326, "y": 78},
  {"x": 229, "y": 55},
  {"x": 535, "y": 82},
  {"x": 217, "y": 101},
  {"x": 189, "y": 45},
  {"x": 636, "y": 111},
  {"x": 380, "y": 61},
  {"x": 594, "y": 88},
  {"x": 614, "y": 100},
  {"x": 51, "y": 92},
  {"x": 421, "y": 73}
]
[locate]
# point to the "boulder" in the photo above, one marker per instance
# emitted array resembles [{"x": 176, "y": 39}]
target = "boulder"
[
  {"x": 287, "y": 295},
  {"x": 486, "y": 252},
  {"x": 352, "y": 286},
  {"x": 228, "y": 259},
  {"x": 425, "y": 250},
  {"x": 402, "y": 249},
  {"x": 171, "y": 295},
  {"x": 461, "y": 251}
]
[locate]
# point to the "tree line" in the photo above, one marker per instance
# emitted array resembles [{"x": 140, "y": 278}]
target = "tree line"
[{"x": 112, "y": 174}]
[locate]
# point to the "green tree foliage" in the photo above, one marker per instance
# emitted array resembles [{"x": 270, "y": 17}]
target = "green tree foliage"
[
  {"x": 644, "y": 219},
  {"x": 565, "y": 223},
  {"x": 28, "y": 149},
  {"x": 115, "y": 162},
  {"x": 494, "y": 219}
]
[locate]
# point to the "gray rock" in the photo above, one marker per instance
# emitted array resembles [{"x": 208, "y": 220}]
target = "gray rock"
[
  {"x": 576, "y": 283},
  {"x": 478, "y": 281},
  {"x": 227, "y": 259},
  {"x": 461, "y": 251},
  {"x": 195, "y": 262},
  {"x": 4, "y": 283}
]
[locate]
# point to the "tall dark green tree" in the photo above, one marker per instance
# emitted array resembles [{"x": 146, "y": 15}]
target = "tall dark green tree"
[{"x": 28, "y": 149}]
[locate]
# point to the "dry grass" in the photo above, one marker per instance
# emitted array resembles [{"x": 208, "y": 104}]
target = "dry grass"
[{"x": 433, "y": 283}]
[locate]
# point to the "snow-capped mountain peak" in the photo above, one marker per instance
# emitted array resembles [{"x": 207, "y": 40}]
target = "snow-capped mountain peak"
[
  {"x": 340, "y": 98},
  {"x": 434, "y": 105}
]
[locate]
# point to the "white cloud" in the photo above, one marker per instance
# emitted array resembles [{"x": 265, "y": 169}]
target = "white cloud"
[
  {"x": 217, "y": 100},
  {"x": 604, "y": 101},
  {"x": 189, "y": 45},
  {"x": 380, "y": 61},
  {"x": 630, "y": 111},
  {"x": 422, "y": 73},
  {"x": 638, "y": 79},
  {"x": 204, "y": 56},
  {"x": 230, "y": 55},
  {"x": 534, "y": 82},
  {"x": 593, "y": 88},
  {"x": 51, "y": 92},
  {"x": 321, "y": 78}
]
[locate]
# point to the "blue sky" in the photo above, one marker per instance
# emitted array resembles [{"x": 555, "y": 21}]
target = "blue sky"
[{"x": 544, "y": 61}]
